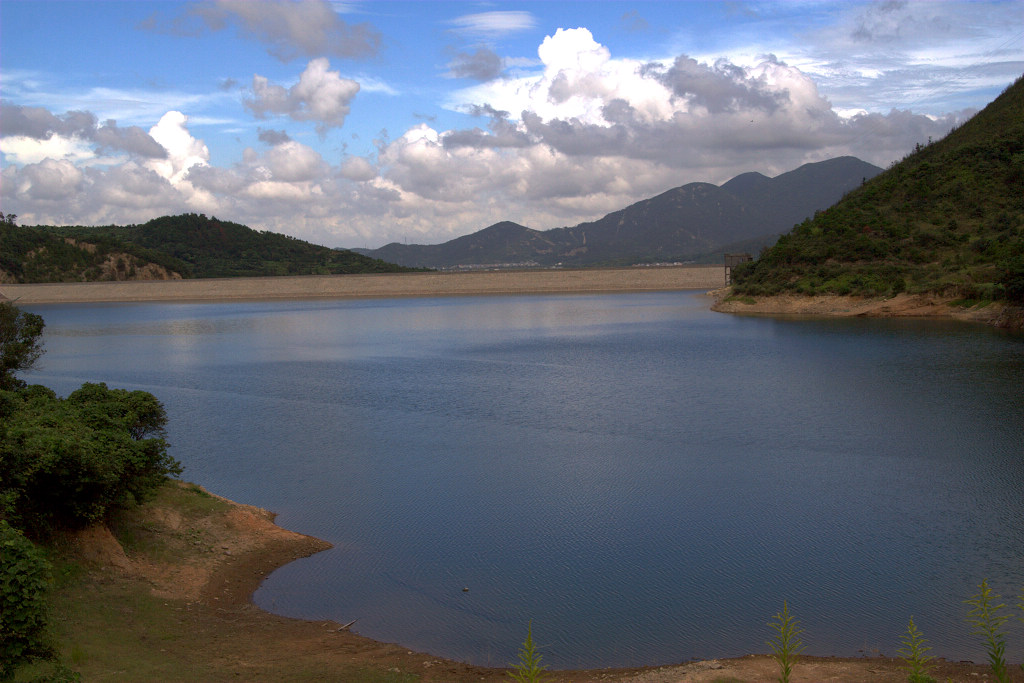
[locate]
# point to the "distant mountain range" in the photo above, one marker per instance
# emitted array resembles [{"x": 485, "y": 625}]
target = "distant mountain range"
[{"x": 688, "y": 223}]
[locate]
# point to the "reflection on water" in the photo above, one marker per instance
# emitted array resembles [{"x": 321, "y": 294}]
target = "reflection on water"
[{"x": 644, "y": 479}]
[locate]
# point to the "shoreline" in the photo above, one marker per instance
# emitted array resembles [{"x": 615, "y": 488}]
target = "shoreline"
[
  {"x": 211, "y": 559},
  {"x": 368, "y": 286},
  {"x": 995, "y": 314}
]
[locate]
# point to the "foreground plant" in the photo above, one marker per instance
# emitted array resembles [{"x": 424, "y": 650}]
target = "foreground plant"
[
  {"x": 1021, "y": 616},
  {"x": 987, "y": 619},
  {"x": 786, "y": 643},
  {"x": 529, "y": 669},
  {"x": 915, "y": 654}
]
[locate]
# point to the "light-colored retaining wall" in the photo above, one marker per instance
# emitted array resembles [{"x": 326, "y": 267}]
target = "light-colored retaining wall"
[{"x": 382, "y": 285}]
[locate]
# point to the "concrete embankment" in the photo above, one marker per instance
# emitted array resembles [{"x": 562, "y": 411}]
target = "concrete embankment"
[{"x": 374, "y": 286}]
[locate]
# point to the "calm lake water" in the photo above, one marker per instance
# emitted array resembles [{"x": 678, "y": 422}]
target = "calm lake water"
[{"x": 644, "y": 479}]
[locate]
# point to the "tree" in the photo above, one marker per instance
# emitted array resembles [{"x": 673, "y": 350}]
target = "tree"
[{"x": 21, "y": 343}]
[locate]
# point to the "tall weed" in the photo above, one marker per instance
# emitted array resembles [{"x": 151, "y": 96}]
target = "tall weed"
[
  {"x": 786, "y": 643},
  {"x": 988, "y": 619},
  {"x": 915, "y": 654},
  {"x": 528, "y": 669}
]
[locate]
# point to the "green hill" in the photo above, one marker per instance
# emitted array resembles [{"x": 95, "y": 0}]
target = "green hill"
[
  {"x": 190, "y": 244},
  {"x": 37, "y": 255},
  {"x": 947, "y": 219}
]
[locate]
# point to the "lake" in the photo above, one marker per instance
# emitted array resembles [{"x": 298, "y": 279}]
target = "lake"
[{"x": 644, "y": 479}]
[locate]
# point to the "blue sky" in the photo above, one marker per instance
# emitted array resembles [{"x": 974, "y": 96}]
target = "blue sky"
[{"x": 360, "y": 123}]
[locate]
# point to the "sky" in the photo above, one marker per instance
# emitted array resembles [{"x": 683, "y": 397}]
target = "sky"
[{"x": 356, "y": 124}]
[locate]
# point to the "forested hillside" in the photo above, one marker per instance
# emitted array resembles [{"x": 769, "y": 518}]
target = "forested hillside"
[
  {"x": 34, "y": 255},
  {"x": 190, "y": 245},
  {"x": 947, "y": 219}
]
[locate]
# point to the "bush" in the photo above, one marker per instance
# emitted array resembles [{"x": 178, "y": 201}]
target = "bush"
[
  {"x": 67, "y": 463},
  {"x": 24, "y": 573}
]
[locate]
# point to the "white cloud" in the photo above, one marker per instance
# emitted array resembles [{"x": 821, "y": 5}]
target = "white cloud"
[
  {"x": 320, "y": 95},
  {"x": 492, "y": 24},
  {"x": 21, "y": 149},
  {"x": 183, "y": 150},
  {"x": 358, "y": 169},
  {"x": 582, "y": 134},
  {"x": 294, "y": 162}
]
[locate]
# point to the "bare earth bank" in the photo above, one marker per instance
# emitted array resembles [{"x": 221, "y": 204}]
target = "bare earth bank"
[
  {"x": 997, "y": 314},
  {"x": 210, "y": 561}
]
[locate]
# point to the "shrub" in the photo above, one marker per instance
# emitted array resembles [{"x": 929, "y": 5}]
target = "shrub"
[
  {"x": 24, "y": 573},
  {"x": 67, "y": 463}
]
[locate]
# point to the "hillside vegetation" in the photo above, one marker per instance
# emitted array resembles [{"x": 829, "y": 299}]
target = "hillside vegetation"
[
  {"x": 189, "y": 245},
  {"x": 34, "y": 255},
  {"x": 947, "y": 219}
]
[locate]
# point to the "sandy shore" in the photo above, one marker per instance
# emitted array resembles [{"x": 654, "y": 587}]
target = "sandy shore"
[{"x": 374, "y": 286}]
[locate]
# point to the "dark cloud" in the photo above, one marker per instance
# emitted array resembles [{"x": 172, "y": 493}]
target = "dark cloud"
[
  {"x": 133, "y": 140},
  {"x": 632, "y": 22},
  {"x": 273, "y": 137},
  {"x": 185, "y": 25},
  {"x": 576, "y": 138},
  {"x": 40, "y": 124},
  {"x": 882, "y": 22},
  {"x": 308, "y": 28},
  {"x": 503, "y": 133},
  {"x": 722, "y": 87},
  {"x": 482, "y": 65}
]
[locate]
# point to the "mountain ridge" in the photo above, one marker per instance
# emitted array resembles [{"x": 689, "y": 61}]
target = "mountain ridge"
[{"x": 683, "y": 223}]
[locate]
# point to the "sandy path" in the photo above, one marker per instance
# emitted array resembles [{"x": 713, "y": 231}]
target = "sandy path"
[{"x": 377, "y": 285}]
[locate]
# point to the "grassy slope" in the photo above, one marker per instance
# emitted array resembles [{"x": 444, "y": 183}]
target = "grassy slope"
[
  {"x": 948, "y": 219},
  {"x": 113, "y": 628}
]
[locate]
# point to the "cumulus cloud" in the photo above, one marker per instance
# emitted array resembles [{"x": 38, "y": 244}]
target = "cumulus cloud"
[
  {"x": 582, "y": 134},
  {"x": 358, "y": 169},
  {"x": 294, "y": 162},
  {"x": 183, "y": 150},
  {"x": 50, "y": 179},
  {"x": 321, "y": 95}
]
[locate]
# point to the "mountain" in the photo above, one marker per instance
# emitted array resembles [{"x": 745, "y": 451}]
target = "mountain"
[
  {"x": 188, "y": 245},
  {"x": 947, "y": 219},
  {"x": 679, "y": 224}
]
